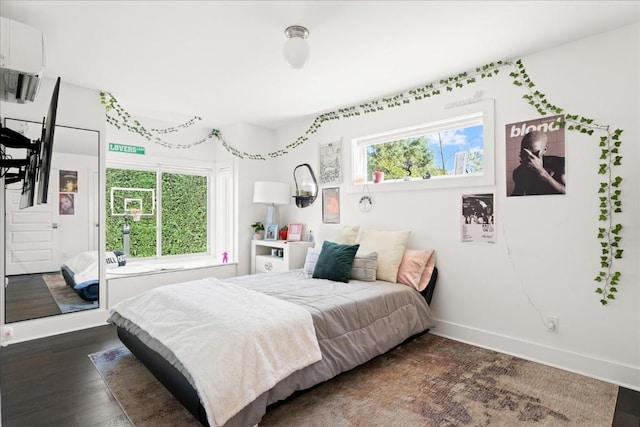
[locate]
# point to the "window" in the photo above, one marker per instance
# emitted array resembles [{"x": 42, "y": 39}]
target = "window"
[
  {"x": 453, "y": 151},
  {"x": 178, "y": 210}
]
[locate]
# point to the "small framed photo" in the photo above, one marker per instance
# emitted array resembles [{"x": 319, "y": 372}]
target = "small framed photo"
[
  {"x": 331, "y": 205},
  {"x": 271, "y": 232},
  {"x": 294, "y": 233}
]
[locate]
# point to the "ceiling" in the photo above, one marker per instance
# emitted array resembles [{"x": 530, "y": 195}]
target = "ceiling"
[{"x": 222, "y": 60}]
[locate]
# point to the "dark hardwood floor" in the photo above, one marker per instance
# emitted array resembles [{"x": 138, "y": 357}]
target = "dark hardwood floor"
[
  {"x": 27, "y": 297},
  {"x": 52, "y": 382}
]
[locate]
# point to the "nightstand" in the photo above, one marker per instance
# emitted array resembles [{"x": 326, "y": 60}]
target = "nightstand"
[{"x": 293, "y": 255}]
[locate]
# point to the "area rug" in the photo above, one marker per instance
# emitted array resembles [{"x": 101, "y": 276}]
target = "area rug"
[
  {"x": 66, "y": 298},
  {"x": 430, "y": 381}
]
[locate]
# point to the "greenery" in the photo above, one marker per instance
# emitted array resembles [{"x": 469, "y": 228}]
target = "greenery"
[
  {"x": 419, "y": 159},
  {"x": 609, "y": 192},
  {"x": 142, "y": 234},
  {"x": 184, "y": 214},
  {"x": 257, "y": 226}
]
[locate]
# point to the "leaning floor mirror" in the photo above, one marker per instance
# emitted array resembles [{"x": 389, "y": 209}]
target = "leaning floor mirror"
[{"x": 51, "y": 249}]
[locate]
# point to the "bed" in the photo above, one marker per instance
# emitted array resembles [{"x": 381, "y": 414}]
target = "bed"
[
  {"x": 82, "y": 273},
  {"x": 348, "y": 325}
]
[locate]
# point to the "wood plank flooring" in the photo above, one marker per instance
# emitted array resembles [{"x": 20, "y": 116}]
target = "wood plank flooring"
[
  {"x": 52, "y": 382},
  {"x": 27, "y": 297}
]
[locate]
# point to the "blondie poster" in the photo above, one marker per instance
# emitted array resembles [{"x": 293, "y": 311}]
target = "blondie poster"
[
  {"x": 477, "y": 218},
  {"x": 535, "y": 157}
]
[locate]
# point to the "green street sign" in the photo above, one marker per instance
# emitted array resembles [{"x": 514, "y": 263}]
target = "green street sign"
[{"x": 129, "y": 149}]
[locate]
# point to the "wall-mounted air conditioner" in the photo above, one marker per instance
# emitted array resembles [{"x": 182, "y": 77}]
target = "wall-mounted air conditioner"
[{"x": 22, "y": 61}]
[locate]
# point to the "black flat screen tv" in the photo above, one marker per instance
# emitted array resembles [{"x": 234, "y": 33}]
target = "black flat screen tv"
[
  {"x": 46, "y": 146},
  {"x": 29, "y": 180}
]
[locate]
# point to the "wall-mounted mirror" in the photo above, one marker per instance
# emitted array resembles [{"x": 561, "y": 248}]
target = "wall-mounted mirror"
[
  {"x": 306, "y": 185},
  {"x": 62, "y": 236}
]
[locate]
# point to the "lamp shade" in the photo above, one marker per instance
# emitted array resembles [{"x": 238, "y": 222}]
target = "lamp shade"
[
  {"x": 269, "y": 192},
  {"x": 296, "y": 52},
  {"x": 296, "y": 48}
]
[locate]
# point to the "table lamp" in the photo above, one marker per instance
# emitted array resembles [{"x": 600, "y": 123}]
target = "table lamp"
[{"x": 272, "y": 194}]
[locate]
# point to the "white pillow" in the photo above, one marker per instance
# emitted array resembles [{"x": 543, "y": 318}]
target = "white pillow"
[
  {"x": 342, "y": 234},
  {"x": 390, "y": 246},
  {"x": 311, "y": 260}
]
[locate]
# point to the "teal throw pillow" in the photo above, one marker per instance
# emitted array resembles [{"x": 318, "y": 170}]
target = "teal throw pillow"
[{"x": 334, "y": 262}]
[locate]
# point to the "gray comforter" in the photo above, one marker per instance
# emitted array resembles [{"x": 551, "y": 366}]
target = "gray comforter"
[{"x": 354, "y": 322}]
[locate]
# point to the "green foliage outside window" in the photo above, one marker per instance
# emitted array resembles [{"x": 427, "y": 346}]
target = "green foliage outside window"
[
  {"x": 405, "y": 157},
  {"x": 184, "y": 214},
  {"x": 428, "y": 155},
  {"x": 142, "y": 234}
]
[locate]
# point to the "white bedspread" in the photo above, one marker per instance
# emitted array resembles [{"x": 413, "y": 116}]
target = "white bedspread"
[{"x": 236, "y": 343}]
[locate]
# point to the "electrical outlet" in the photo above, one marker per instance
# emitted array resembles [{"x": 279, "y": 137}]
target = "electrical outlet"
[
  {"x": 551, "y": 323},
  {"x": 6, "y": 333}
]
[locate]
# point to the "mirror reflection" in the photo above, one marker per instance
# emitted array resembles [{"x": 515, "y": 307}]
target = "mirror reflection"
[{"x": 51, "y": 261}]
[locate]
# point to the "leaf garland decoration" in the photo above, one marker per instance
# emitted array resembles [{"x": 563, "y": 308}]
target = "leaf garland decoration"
[{"x": 610, "y": 200}]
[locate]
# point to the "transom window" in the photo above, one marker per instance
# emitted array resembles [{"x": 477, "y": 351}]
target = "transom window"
[{"x": 453, "y": 151}]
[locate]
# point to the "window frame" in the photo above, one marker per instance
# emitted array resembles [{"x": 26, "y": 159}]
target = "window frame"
[
  {"x": 449, "y": 119},
  {"x": 211, "y": 172}
]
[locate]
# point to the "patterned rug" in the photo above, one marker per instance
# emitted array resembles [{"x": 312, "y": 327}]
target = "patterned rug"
[
  {"x": 431, "y": 381},
  {"x": 66, "y": 298}
]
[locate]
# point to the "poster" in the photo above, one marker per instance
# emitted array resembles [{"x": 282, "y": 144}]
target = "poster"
[
  {"x": 331, "y": 163},
  {"x": 535, "y": 161},
  {"x": 67, "y": 204},
  {"x": 478, "y": 223},
  {"x": 68, "y": 181},
  {"x": 331, "y": 205}
]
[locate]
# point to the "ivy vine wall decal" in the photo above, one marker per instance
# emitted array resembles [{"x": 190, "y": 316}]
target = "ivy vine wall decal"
[{"x": 610, "y": 200}]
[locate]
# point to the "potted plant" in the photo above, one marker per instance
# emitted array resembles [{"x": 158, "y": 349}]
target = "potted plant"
[
  {"x": 284, "y": 230},
  {"x": 258, "y": 230}
]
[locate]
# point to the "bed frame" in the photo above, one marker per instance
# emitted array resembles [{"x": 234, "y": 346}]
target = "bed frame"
[{"x": 180, "y": 387}]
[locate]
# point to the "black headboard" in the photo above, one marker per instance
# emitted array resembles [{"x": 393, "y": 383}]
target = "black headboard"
[{"x": 427, "y": 292}]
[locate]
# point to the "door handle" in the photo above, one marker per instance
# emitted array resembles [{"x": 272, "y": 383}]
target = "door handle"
[{"x": 54, "y": 225}]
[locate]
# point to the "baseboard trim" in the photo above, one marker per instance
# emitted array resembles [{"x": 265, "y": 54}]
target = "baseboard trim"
[
  {"x": 605, "y": 370},
  {"x": 28, "y": 330}
]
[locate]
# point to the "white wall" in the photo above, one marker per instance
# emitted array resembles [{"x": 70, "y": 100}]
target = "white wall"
[{"x": 547, "y": 253}]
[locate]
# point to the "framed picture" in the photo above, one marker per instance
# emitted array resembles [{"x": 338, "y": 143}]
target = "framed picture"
[
  {"x": 331, "y": 205},
  {"x": 271, "y": 232},
  {"x": 67, "y": 204},
  {"x": 294, "y": 233},
  {"x": 68, "y": 181},
  {"x": 331, "y": 163}
]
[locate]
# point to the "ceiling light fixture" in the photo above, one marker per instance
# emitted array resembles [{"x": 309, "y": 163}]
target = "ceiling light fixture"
[{"x": 296, "y": 48}]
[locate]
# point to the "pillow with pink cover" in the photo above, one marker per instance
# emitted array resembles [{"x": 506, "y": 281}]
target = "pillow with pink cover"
[{"x": 416, "y": 268}]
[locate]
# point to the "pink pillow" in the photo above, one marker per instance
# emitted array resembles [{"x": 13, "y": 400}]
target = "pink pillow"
[{"x": 416, "y": 268}]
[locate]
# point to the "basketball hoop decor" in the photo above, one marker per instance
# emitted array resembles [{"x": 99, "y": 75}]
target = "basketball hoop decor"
[{"x": 135, "y": 214}]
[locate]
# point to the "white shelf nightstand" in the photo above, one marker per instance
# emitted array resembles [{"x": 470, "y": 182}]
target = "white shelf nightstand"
[{"x": 293, "y": 255}]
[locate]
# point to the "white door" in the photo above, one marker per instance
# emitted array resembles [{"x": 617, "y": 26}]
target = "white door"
[{"x": 32, "y": 233}]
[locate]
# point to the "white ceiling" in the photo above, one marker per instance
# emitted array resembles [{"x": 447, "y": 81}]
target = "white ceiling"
[{"x": 222, "y": 60}]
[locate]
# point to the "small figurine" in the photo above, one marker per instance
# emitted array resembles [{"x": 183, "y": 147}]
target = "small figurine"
[{"x": 225, "y": 257}]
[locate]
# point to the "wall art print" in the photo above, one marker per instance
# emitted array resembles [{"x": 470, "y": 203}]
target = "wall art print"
[
  {"x": 68, "y": 181},
  {"x": 331, "y": 205},
  {"x": 331, "y": 163},
  {"x": 478, "y": 219},
  {"x": 535, "y": 161}
]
